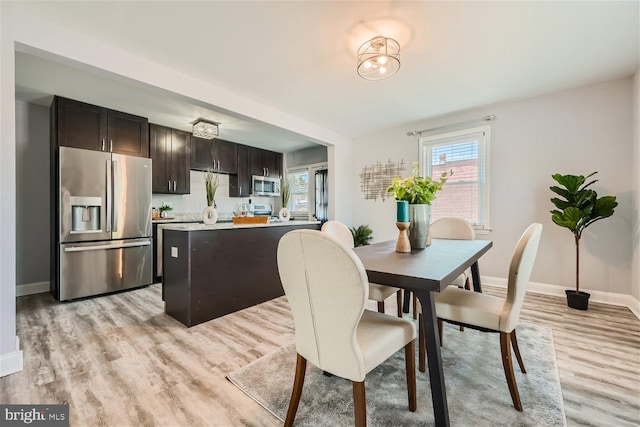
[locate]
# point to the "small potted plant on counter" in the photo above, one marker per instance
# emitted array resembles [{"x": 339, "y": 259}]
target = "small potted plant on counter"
[
  {"x": 164, "y": 211},
  {"x": 285, "y": 194},
  {"x": 578, "y": 208},
  {"x": 211, "y": 184}
]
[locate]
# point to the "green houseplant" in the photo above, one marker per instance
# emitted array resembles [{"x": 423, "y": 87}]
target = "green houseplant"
[
  {"x": 577, "y": 208},
  {"x": 164, "y": 210},
  {"x": 419, "y": 191},
  {"x": 361, "y": 235}
]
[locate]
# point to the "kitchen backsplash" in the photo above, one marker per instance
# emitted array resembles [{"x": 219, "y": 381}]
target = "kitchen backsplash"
[{"x": 193, "y": 204}]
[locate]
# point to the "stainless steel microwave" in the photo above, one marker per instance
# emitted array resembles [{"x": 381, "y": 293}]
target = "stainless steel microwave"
[{"x": 265, "y": 186}]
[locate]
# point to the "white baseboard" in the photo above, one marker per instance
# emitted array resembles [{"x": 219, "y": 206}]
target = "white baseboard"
[
  {"x": 11, "y": 363},
  {"x": 32, "y": 288},
  {"x": 596, "y": 296}
]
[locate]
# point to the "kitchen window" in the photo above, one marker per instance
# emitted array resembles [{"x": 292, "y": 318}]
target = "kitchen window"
[
  {"x": 466, "y": 193},
  {"x": 309, "y": 192}
]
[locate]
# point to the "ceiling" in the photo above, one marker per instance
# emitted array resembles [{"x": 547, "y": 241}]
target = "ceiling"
[{"x": 299, "y": 57}]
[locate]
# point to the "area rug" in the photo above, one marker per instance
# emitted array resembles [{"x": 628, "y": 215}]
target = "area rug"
[{"x": 477, "y": 390}]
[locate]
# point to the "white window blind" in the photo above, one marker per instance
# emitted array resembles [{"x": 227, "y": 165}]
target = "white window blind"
[{"x": 466, "y": 193}]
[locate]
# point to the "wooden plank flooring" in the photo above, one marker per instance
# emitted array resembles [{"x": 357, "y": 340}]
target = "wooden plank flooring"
[{"x": 120, "y": 361}]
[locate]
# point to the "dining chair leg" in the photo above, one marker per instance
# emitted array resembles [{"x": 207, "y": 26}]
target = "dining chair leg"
[
  {"x": 440, "y": 330},
  {"x": 380, "y": 306},
  {"x": 296, "y": 393},
  {"x": 516, "y": 350},
  {"x": 399, "y": 301},
  {"x": 410, "y": 365},
  {"x": 359, "y": 404},
  {"x": 422, "y": 357},
  {"x": 467, "y": 286},
  {"x": 415, "y": 307},
  {"x": 505, "y": 349}
]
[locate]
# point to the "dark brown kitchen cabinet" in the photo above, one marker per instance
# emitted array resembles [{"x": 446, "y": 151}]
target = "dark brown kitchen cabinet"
[
  {"x": 217, "y": 154},
  {"x": 265, "y": 162},
  {"x": 91, "y": 127},
  {"x": 171, "y": 155},
  {"x": 240, "y": 183}
]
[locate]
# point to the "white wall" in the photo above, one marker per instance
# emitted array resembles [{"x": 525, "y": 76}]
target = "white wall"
[
  {"x": 578, "y": 131},
  {"x": 635, "y": 233},
  {"x": 32, "y": 183}
]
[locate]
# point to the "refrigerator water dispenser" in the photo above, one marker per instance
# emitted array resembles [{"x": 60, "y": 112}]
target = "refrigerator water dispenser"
[{"x": 85, "y": 214}]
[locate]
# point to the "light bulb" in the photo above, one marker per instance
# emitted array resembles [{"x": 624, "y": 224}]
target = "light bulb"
[
  {"x": 383, "y": 70},
  {"x": 382, "y": 60},
  {"x": 367, "y": 64}
]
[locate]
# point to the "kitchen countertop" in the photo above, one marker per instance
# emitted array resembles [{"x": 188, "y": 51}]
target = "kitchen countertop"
[{"x": 229, "y": 225}]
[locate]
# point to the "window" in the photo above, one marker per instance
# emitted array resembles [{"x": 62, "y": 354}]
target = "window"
[
  {"x": 309, "y": 191},
  {"x": 299, "y": 200},
  {"x": 466, "y": 193}
]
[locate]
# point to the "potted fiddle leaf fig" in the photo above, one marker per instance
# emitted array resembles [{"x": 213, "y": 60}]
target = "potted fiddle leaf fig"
[
  {"x": 419, "y": 191},
  {"x": 577, "y": 208}
]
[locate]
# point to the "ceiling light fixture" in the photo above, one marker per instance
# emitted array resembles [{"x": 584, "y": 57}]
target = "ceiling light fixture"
[
  {"x": 378, "y": 58},
  {"x": 204, "y": 129}
]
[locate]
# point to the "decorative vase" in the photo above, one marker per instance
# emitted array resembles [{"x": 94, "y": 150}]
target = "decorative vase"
[
  {"x": 419, "y": 226},
  {"x": 284, "y": 214},
  {"x": 209, "y": 215}
]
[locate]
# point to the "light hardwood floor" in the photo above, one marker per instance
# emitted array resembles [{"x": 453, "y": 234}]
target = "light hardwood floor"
[{"x": 119, "y": 360}]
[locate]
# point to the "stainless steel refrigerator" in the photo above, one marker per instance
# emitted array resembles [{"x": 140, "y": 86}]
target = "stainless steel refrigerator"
[{"x": 104, "y": 225}]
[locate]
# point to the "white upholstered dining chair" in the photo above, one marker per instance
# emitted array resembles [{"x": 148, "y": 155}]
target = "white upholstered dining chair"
[
  {"x": 455, "y": 229},
  {"x": 337, "y": 334},
  {"x": 378, "y": 293},
  {"x": 492, "y": 314}
]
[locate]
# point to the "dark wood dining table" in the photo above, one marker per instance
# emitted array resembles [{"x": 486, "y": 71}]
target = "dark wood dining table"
[{"x": 424, "y": 272}]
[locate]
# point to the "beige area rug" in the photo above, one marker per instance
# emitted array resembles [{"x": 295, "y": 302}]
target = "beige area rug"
[{"x": 477, "y": 390}]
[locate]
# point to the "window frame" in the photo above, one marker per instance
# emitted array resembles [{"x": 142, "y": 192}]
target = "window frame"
[
  {"x": 425, "y": 163},
  {"x": 311, "y": 193}
]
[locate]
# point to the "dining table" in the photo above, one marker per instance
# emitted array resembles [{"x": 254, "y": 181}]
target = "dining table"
[{"x": 425, "y": 272}]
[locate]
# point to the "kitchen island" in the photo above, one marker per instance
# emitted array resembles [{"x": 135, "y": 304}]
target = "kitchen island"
[{"x": 213, "y": 270}]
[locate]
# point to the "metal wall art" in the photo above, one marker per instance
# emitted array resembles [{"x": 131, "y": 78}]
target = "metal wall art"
[{"x": 375, "y": 179}]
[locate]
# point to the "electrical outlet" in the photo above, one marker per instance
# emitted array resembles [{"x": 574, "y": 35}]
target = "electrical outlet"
[{"x": 174, "y": 252}]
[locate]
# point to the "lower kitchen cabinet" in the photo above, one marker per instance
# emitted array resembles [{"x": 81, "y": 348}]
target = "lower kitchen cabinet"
[
  {"x": 210, "y": 273},
  {"x": 171, "y": 155}
]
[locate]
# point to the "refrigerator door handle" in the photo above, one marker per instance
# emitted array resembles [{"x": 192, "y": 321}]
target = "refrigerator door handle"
[
  {"x": 116, "y": 208},
  {"x": 105, "y": 247},
  {"x": 108, "y": 214}
]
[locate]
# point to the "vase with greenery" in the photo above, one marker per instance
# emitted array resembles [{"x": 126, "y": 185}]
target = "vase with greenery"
[
  {"x": 361, "y": 235},
  {"x": 285, "y": 194},
  {"x": 211, "y": 184},
  {"x": 419, "y": 191},
  {"x": 577, "y": 208}
]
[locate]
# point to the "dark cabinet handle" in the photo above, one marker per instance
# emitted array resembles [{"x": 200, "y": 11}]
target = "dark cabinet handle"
[
  {"x": 111, "y": 145},
  {"x": 102, "y": 145},
  {"x": 169, "y": 188}
]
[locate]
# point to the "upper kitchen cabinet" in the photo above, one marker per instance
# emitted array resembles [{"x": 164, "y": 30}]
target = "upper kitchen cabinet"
[
  {"x": 240, "y": 183},
  {"x": 217, "y": 154},
  {"x": 91, "y": 127},
  {"x": 170, "y": 152},
  {"x": 265, "y": 163}
]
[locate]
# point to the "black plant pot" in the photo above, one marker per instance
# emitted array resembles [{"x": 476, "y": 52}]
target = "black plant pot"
[{"x": 578, "y": 300}]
